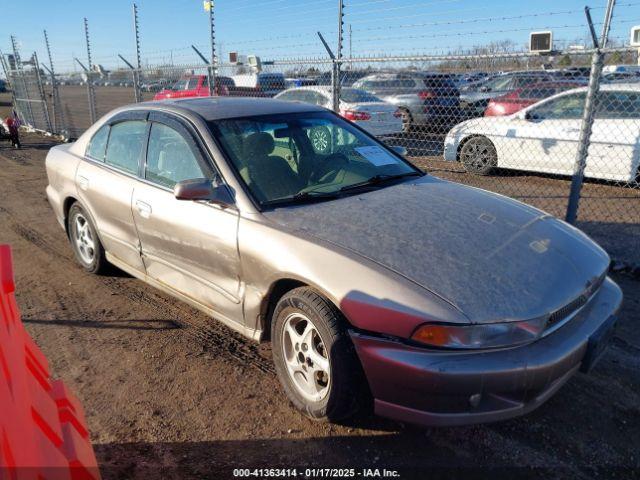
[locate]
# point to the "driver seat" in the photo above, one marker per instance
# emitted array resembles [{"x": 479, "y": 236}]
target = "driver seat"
[{"x": 270, "y": 174}]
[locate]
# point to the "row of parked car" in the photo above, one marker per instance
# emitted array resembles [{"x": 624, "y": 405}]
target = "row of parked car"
[{"x": 531, "y": 118}]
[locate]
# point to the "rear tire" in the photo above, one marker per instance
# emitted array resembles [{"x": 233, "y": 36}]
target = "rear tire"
[
  {"x": 314, "y": 357},
  {"x": 478, "y": 155},
  {"x": 84, "y": 240}
]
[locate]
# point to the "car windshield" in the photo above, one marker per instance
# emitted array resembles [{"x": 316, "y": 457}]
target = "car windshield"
[
  {"x": 357, "y": 96},
  {"x": 497, "y": 83},
  {"x": 302, "y": 157}
]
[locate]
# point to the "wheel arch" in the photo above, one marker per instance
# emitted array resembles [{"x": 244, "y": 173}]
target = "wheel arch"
[
  {"x": 466, "y": 139},
  {"x": 276, "y": 291},
  {"x": 66, "y": 206}
]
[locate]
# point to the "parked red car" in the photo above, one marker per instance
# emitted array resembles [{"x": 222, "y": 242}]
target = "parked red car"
[
  {"x": 520, "y": 98},
  {"x": 195, "y": 86}
]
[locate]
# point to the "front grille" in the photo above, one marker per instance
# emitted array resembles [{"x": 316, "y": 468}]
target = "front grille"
[{"x": 569, "y": 309}]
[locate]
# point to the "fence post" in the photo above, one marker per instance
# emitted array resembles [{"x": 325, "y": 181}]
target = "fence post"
[
  {"x": 212, "y": 64},
  {"x": 90, "y": 91},
  {"x": 136, "y": 72},
  {"x": 57, "y": 106},
  {"x": 335, "y": 78},
  {"x": 43, "y": 96},
  {"x": 584, "y": 140},
  {"x": 6, "y": 69},
  {"x": 20, "y": 73}
]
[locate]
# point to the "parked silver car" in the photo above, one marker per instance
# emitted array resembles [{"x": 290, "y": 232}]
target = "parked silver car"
[
  {"x": 424, "y": 99},
  {"x": 447, "y": 304}
]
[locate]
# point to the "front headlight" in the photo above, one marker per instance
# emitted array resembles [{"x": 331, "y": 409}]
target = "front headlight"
[{"x": 488, "y": 335}]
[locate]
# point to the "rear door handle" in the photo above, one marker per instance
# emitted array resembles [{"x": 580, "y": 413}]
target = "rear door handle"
[
  {"x": 83, "y": 182},
  {"x": 143, "y": 208}
]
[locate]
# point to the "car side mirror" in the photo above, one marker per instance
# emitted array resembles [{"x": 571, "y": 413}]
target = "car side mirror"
[
  {"x": 203, "y": 189},
  {"x": 402, "y": 151}
]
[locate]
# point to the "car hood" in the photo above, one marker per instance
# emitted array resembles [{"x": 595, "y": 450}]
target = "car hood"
[{"x": 491, "y": 257}]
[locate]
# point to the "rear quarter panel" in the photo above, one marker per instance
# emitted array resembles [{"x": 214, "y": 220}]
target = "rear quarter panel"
[{"x": 61, "y": 165}]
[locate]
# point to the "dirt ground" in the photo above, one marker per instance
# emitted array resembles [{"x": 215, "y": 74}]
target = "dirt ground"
[{"x": 170, "y": 393}]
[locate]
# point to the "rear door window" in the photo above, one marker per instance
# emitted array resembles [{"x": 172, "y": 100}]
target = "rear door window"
[
  {"x": 125, "y": 145},
  {"x": 618, "y": 105},
  {"x": 98, "y": 145},
  {"x": 567, "y": 107}
]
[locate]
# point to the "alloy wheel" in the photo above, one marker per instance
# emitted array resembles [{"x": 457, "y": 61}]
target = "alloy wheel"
[
  {"x": 478, "y": 155},
  {"x": 83, "y": 238},
  {"x": 306, "y": 357}
]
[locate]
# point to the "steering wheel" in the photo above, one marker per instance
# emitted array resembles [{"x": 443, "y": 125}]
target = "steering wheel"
[{"x": 331, "y": 164}]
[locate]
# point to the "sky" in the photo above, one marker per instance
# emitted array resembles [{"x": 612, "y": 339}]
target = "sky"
[{"x": 286, "y": 29}]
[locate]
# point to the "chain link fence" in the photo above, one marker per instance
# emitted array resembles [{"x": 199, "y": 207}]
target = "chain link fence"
[
  {"x": 29, "y": 98},
  {"x": 554, "y": 132}
]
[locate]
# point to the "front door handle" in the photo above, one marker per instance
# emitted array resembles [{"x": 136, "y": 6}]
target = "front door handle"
[
  {"x": 83, "y": 182},
  {"x": 143, "y": 208}
]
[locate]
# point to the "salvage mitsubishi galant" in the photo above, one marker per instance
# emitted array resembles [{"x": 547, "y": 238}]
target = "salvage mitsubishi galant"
[{"x": 443, "y": 303}]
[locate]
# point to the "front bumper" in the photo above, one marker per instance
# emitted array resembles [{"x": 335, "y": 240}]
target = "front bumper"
[{"x": 442, "y": 388}]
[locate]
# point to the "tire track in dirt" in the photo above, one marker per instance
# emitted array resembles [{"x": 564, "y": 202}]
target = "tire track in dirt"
[{"x": 214, "y": 337}]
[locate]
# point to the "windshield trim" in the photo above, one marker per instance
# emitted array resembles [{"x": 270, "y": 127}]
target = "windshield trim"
[{"x": 264, "y": 206}]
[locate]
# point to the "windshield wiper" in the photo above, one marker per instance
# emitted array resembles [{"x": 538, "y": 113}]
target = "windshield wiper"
[
  {"x": 379, "y": 179},
  {"x": 313, "y": 195},
  {"x": 302, "y": 197}
]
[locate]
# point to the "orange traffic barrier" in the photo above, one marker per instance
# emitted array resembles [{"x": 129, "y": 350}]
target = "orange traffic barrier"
[{"x": 43, "y": 432}]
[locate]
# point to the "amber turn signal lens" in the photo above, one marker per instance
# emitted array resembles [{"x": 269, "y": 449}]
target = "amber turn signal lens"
[{"x": 436, "y": 335}]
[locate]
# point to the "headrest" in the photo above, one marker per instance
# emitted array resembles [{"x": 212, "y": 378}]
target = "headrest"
[{"x": 259, "y": 144}]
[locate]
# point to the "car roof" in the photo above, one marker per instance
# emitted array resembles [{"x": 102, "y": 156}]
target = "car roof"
[
  {"x": 321, "y": 88},
  {"x": 414, "y": 75},
  {"x": 218, "y": 108},
  {"x": 632, "y": 87}
]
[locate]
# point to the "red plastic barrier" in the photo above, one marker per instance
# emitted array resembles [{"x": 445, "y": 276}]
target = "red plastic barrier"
[{"x": 43, "y": 432}]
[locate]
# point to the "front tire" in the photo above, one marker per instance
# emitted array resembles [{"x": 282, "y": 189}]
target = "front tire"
[
  {"x": 84, "y": 240},
  {"x": 314, "y": 357},
  {"x": 478, "y": 156}
]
